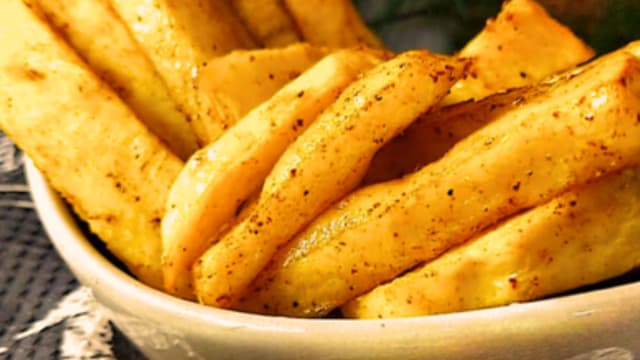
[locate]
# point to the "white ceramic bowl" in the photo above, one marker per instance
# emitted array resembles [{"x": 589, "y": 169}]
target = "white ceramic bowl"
[{"x": 602, "y": 324}]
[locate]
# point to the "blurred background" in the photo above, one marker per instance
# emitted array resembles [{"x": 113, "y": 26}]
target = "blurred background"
[{"x": 446, "y": 25}]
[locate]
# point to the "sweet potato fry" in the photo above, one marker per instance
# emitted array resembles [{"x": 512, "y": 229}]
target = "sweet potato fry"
[
  {"x": 87, "y": 142},
  {"x": 529, "y": 256},
  {"x": 565, "y": 134},
  {"x": 221, "y": 176},
  {"x": 326, "y": 162}
]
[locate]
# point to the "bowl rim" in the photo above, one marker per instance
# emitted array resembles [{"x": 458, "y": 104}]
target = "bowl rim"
[{"x": 56, "y": 219}]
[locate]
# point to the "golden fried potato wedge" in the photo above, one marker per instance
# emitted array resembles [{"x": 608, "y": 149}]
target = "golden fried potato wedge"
[
  {"x": 86, "y": 141},
  {"x": 243, "y": 79},
  {"x": 521, "y": 46},
  {"x": 435, "y": 133},
  {"x": 334, "y": 23},
  {"x": 268, "y": 21},
  {"x": 179, "y": 37},
  {"x": 633, "y": 48},
  {"x": 97, "y": 33},
  {"x": 585, "y": 236},
  {"x": 220, "y": 177},
  {"x": 326, "y": 162},
  {"x": 565, "y": 134}
]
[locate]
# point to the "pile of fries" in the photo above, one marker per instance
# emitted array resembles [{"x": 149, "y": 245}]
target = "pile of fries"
[{"x": 273, "y": 157}]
